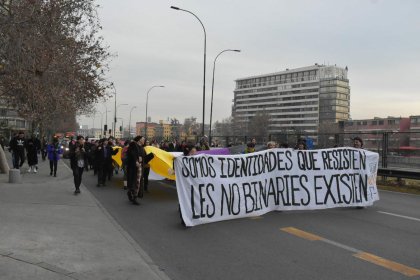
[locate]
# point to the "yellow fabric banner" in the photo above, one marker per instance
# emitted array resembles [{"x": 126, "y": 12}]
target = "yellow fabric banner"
[
  {"x": 162, "y": 163},
  {"x": 117, "y": 157}
]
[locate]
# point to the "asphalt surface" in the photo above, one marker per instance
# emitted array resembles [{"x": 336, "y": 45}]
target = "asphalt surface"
[{"x": 264, "y": 247}]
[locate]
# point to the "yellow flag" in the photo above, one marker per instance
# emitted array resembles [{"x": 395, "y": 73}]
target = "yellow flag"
[
  {"x": 117, "y": 157},
  {"x": 162, "y": 163}
]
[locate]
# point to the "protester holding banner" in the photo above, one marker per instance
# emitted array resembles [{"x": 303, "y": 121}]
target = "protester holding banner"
[
  {"x": 357, "y": 143},
  {"x": 136, "y": 158}
]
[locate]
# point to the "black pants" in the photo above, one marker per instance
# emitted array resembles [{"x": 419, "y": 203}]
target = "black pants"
[
  {"x": 53, "y": 167},
  {"x": 18, "y": 156},
  {"x": 44, "y": 154},
  {"x": 146, "y": 172},
  {"x": 77, "y": 174},
  {"x": 102, "y": 172}
]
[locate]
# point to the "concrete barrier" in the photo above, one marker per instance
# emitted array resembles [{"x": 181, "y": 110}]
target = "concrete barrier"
[{"x": 14, "y": 176}]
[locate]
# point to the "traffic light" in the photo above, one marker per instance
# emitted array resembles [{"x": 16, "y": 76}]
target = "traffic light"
[
  {"x": 120, "y": 128},
  {"x": 109, "y": 131},
  {"x": 105, "y": 127}
]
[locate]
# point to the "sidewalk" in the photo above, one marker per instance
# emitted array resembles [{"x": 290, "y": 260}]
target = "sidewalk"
[{"x": 47, "y": 232}]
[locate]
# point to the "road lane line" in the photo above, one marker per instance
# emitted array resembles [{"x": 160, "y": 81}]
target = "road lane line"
[
  {"x": 400, "y": 216},
  {"x": 391, "y": 265},
  {"x": 302, "y": 234},
  {"x": 406, "y": 270}
]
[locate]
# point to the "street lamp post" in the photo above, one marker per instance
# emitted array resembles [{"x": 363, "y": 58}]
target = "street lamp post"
[
  {"x": 212, "y": 87},
  {"x": 115, "y": 109},
  {"x": 204, "y": 75},
  {"x": 147, "y": 101},
  {"x": 129, "y": 122}
]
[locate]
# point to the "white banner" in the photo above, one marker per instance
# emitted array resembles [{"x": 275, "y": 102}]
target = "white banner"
[{"x": 215, "y": 188}]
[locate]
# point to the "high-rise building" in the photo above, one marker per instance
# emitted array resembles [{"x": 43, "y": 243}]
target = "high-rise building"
[{"x": 297, "y": 100}]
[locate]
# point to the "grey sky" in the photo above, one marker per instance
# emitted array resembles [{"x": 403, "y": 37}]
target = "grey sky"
[{"x": 378, "y": 40}]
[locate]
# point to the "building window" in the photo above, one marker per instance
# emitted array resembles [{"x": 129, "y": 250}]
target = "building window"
[{"x": 381, "y": 122}]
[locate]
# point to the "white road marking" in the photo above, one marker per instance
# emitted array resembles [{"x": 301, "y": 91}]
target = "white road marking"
[{"x": 400, "y": 216}]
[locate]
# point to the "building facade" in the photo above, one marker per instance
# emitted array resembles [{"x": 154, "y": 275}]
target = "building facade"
[
  {"x": 11, "y": 122},
  {"x": 294, "y": 100}
]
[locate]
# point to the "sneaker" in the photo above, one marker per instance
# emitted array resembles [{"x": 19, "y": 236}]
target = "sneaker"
[
  {"x": 77, "y": 191},
  {"x": 35, "y": 171},
  {"x": 51, "y": 173},
  {"x": 30, "y": 170}
]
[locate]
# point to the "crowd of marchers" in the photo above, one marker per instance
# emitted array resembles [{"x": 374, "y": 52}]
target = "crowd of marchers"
[{"x": 97, "y": 155}]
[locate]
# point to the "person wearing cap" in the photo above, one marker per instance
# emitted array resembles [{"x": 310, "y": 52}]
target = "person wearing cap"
[{"x": 78, "y": 161}]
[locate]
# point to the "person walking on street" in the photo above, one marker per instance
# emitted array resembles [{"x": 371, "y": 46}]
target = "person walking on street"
[
  {"x": 146, "y": 169},
  {"x": 135, "y": 162},
  {"x": 17, "y": 147},
  {"x": 32, "y": 149},
  {"x": 54, "y": 151},
  {"x": 78, "y": 161},
  {"x": 44, "y": 146}
]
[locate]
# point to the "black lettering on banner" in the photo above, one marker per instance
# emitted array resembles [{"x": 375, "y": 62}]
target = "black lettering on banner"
[
  {"x": 222, "y": 175},
  {"x": 302, "y": 184},
  {"x": 329, "y": 185},
  {"x": 307, "y": 160},
  {"x": 204, "y": 167},
  {"x": 281, "y": 163},
  {"x": 316, "y": 187},
  {"x": 212, "y": 171},
  {"x": 263, "y": 193},
  {"x": 233, "y": 187},
  {"x": 213, "y": 206},
  {"x": 255, "y": 187},
  {"x": 184, "y": 168},
  {"x": 230, "y": 167},
  {"x": 283, "y": 192},
  {"x": 272, "y": 192},
  {"x": 229, "y": 198},
  {"x": 294, "y": 189},
  {"x": 344, "y": 178},
  {"x": 195, "y": 216},
  {"x": 202, "y": 199},
  {"x": 225, "y": 197},
  {"x": 247, "y": 195}
]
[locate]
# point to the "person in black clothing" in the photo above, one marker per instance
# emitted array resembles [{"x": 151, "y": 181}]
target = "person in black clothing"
[
  {"x": 17, "y": 147},
  {"x": 78, "y": 161},
  {"x": 44, "y": 145},
  {"x": 103, "y": 157},
  {"x": 33, "y": 146},
  {"x": 136, "y": 157}
]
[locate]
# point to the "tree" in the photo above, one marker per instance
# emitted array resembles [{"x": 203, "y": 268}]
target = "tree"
[
  {"x": 52, "y": 59},
  {"x": 191, "y": 127},
  {"x": 259, "y": 124},
  {"x": 224, "y": 128}
]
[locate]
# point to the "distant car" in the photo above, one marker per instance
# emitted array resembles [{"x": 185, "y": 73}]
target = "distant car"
[{"x": 65, "y": 147}]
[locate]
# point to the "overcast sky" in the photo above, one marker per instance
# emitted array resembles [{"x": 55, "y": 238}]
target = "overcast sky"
[{"x": 379, "y": 41}]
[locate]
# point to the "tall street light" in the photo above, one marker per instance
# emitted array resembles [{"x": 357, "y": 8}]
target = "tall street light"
[
  {"x": 204, "y": 75},
  {"x": 147, "y": 101},
  {"x": 115, "y": 109},
  {"x": 212, "y": 87},
  {"x": 129, "y": 122}
]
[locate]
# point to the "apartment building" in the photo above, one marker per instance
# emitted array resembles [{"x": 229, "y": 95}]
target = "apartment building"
[{"x": 295, "y": 99}]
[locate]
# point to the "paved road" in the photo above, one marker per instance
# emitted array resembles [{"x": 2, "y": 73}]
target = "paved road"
[{"x": 380, "y": 242}]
